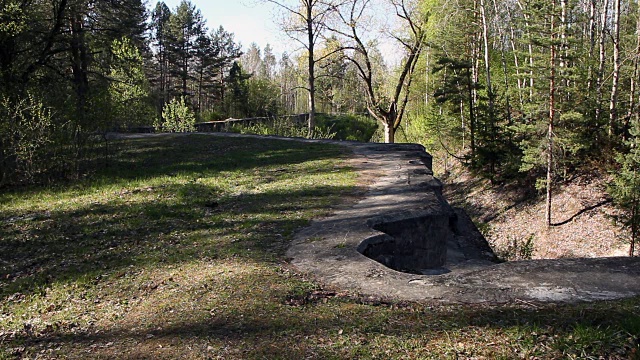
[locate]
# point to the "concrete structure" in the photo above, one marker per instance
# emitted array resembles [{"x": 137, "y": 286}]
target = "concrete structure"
[
  {"x": 357, "y": 248},
  {"x": 404, "y": 223}
]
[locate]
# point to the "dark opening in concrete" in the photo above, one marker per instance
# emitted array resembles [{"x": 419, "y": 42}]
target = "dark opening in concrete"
[{"x": 414, "y": 242}]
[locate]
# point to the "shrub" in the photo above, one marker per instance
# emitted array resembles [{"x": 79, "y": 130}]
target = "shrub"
[
  {"x": 25, "y": 132},
  {"x": 177, "y": 117},
  {"x": 348, "y": 127},
  {"x": 283, "y": 127},
  {"x": 517, "y": 249}
]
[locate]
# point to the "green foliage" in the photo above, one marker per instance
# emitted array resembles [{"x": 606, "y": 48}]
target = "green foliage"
[
  {"x": 237, "y": 99},
  {"x": 262, "y": 98},
  {"x": 283, "y": 127},
  {"x": 211, "y": 115},
  {"x": 625, "y": 188},
  {"x": 13, "y": 19},
  {"x": 517, "y": 249},
  {"x": 348, "y": 127},
  {"x": 129, "y": 89},
  {"x": 533, "y": 144},
  {"x": 26, "y": 131},
  {"x": 177, "y": 117},
  {"x": 441, "y": 133}
]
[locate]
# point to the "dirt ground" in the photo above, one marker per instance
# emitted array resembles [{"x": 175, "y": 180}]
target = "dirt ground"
[{"x": 583, "y": 217}]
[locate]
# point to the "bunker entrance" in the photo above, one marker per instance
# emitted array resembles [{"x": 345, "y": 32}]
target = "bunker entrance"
[{"x": 411, "y": 242}]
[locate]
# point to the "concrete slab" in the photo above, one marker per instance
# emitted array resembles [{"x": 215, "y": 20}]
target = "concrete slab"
[{"x": 328, "y": 248}]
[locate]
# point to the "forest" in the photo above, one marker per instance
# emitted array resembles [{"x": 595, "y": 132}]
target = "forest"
[{"x": 525, "y": 91}]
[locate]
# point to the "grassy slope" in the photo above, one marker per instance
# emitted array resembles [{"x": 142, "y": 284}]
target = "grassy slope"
[{"x": 176, "y": 250}]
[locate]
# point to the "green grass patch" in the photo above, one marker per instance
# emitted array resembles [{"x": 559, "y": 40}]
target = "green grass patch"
[{"x": 177, "y": 250}]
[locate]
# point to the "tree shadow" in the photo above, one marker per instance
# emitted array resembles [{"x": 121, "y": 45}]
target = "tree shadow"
[
  {"x": 352, "y": 326},
  {"x": 588, "y": 208},
  {"x": 197, "y": 155},
  {"x": 168, "y": 223},
  {"x": 68, "y": 245},
  {"x": 195, "y": 223},
  {"x": 456, "y": 193}
]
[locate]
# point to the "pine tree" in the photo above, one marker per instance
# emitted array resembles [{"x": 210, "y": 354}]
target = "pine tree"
[
  {"x": 237, "y": 99},
  {"x": 160, "y": 30},
  {"x": 625, "y": 188},
  {"x": 186, "y": 26}
]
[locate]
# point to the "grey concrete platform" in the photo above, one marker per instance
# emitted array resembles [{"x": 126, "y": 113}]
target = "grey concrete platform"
[{"x": 402, "y": 186}]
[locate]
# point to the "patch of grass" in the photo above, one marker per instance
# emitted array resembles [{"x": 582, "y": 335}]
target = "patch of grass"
[{"x": 176, "y": 250}]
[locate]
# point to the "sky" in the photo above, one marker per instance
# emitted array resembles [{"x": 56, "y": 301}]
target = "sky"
[
  {"x": 257, "y": 21},
  {"x": 249, "y": 20}
]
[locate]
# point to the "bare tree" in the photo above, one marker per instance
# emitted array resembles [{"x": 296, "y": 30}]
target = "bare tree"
[
  {"x": 386, "y": 108},
  {"x": 306, "y": 23},
  {"x": 602, "y": 59}
]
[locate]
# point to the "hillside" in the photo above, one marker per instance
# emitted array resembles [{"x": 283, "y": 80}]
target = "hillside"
[{"x": 583, "y": 218}]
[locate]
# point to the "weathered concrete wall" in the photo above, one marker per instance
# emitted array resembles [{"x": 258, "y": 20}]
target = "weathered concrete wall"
[
  {"x": 417, "y": 234},
  {"x": 413, "y": 241}
]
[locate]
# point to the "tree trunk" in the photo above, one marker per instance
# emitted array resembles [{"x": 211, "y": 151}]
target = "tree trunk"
[
  {"x": 312, "y": 76},
  {"x": 472, "y": 117},
  {"x": 516, "y": 61},
  {"x": 530, "y": 49},
  {"x": 503, "y": 60},
  {"x": 389, "y": 132},
  {"x": 592, "y": 44},
  {"x": 426, "y": 80},
  {"x": 200, "y": 85},
  {"x": 634, "y": 227},
  {"x": 602, "y": 59},
  {"x": 552, "y": 110},
  {"x": 564, "y": 48},
  {"x": 634, "y": 80},
  {"x": 79, "y": 69},
  {"x": 471, "y": 87},
  {"x": 487, "y": 59},
  {"x": 613, "y": 115}
]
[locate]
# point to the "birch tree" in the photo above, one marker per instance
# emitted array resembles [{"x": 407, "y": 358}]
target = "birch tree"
[{"x": 305, "y": 24}]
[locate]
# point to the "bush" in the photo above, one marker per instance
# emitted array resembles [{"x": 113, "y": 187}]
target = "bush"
[
  {"x": 348, "y": 127},
  {"x": 517, "y": 249},
  {"x": 177, "y": 117},
  {"x": 282, "y": 127},
  {"x": 25, "y": 132}
]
